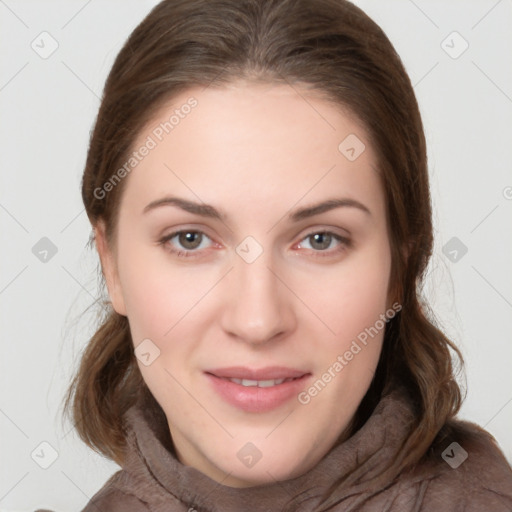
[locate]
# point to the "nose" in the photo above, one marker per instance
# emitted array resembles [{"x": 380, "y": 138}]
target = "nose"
[{"x": 259, "y": 308}]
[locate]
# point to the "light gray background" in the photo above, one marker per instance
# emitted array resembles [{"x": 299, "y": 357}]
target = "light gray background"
[{"x": 47, "y": 109}]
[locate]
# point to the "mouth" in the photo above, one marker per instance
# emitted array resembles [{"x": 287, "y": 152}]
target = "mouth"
[{"x": 260, "y": 390}]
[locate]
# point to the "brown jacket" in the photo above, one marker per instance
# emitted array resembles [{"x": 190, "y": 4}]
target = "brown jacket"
[{"x": 154, "y": 480}]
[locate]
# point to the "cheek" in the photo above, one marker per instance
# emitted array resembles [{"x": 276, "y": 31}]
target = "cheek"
[
  {"x": 149, "y": 303},
  {"x": 157, "y": 293},
  {"x": 351, "y": 298}
]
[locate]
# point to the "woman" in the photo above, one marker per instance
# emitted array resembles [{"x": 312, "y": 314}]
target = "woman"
[{"x": 258, "y": 188}]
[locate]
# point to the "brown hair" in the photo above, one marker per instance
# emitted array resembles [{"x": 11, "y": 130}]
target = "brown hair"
[{"x": 336, "y": 49}]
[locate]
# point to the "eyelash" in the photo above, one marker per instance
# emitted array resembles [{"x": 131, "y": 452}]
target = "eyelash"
[{"x": 344, "y": 243}]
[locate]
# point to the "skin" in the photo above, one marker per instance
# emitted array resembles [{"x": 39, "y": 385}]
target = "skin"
[{"x": 256, "y": 152}]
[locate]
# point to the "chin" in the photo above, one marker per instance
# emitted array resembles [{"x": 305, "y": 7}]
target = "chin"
[
  {"x": 277, "y": 466},
  {"x": 263, "y": 476}
]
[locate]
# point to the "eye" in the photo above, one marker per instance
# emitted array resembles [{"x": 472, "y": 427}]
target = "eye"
[
  {"x": 324, "y": 242},
  {"x": 186, "y": 242},
  {"x": 190, "y": 243}
]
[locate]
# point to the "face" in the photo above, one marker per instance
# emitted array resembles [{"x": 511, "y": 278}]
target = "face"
[{"x": 252, "y": 247}]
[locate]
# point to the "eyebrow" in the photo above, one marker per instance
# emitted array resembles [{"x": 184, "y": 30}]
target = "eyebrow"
[{"x": 206, "y": 210}]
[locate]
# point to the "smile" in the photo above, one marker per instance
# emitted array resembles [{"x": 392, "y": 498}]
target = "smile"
[{"x": 257, "y": 391}]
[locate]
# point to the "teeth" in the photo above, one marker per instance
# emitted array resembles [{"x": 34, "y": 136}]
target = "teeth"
[
  {"x": 259, "y": 383},
  {"x": 269, "y": 383}
]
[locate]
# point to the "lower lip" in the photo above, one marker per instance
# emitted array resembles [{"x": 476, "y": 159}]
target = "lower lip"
[{"x": 254, "y": 398}]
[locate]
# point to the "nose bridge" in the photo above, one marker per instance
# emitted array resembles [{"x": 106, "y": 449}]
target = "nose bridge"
[{"x": 257, "y": 309}]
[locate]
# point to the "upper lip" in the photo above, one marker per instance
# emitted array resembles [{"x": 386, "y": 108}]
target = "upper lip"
[{"x": 268, "y": 373}]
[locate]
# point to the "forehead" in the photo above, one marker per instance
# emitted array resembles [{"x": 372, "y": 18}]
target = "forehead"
[{"x": 274, "y": 145}]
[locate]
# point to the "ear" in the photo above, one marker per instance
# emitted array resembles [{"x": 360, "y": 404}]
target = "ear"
[{"x": 109, "y": 268}]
